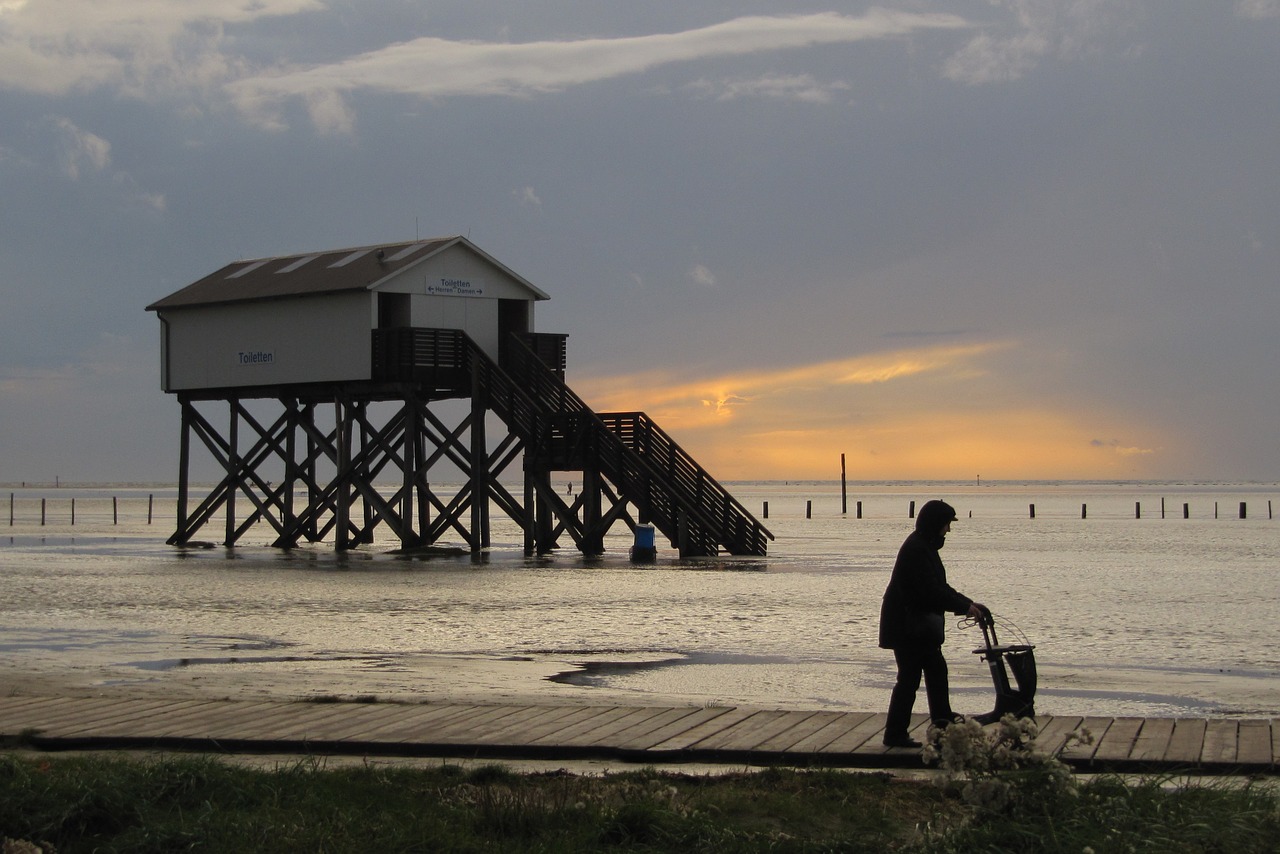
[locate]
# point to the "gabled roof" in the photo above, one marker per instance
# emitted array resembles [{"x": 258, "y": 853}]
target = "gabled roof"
[{"x": 332, "y": 271}]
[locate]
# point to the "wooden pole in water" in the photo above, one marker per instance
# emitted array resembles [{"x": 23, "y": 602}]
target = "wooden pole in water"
[
  {"x": 1162, "y": 507},
  {"x": 150, "y": 501},
  {"x": 1242, "y": 510},
  {"x": 10, "y": 509},
  {"x": 1084, "y": 511},
  {"x": 42, "y": 512},
  {"x": 73, "y": 512},
  {"x": 911, "y": 513},
  {"x": 766, "y": 510},
  {"x": 844, "y": 490},
  {"x": 808, "y": 509},
  {"x": 1137, "y": 509},
  {"x": 859, "y": 509},
  {"x": 115, "y": 512},
  {"x": 1033, "y": 511},
  {"x": 1186, "y": 510}
]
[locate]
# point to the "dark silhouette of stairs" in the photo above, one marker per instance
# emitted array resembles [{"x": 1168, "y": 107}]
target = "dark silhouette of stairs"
[{"x": 661, "y": 480}]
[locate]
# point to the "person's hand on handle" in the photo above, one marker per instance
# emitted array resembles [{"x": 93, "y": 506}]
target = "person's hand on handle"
[{"x": 979, "y": 612}]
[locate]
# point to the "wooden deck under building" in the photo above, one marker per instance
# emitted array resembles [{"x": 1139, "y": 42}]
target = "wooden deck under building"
[{"x": 640, "y": 734}]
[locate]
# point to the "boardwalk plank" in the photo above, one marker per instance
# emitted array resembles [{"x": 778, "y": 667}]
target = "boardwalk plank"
[
  {"x": 139, "y": 719},
  {"x": 1054, "y": 731},
  {"x": 379, "y": 718},
  {"x": 216, "y": 722},
  {"x": 1187, "y": 742},
  {"x": 714, "y": 721},
  {"x": 585, "y": 731},
  {"x": 482, "y": 719},
  {"x": 1118, "y": 741},
  {"x": 1094, "y": 728},
  {"x": 1254, "y": 743},
  {"x": 415, "y": 724},
  {"x": 836, "y": 727},
  {"x": 295, "y": 725},
  {"x": 518, "y": 724},
  {"x": 560, "y": 720},
  {"x": 745, "y": 735},
  {"x": 1220, "y": 742},
  {"x": 86, "y": 709},
  {"x": 798, "y": 731},
  {"x": 1152, "y": 741},
  {"x": 866, "y": 732},
  {"x": 659, "y": 733},
  {"x": 629, "y": 730},
  {"x": 353, "y": 723},
  {"x": 653, "y": 738},
  {"x": 19, "y": 705}
]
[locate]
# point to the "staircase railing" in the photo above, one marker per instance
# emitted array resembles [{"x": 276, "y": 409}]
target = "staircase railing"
[
  {"x": 669, "y": 486},
  {"x": 558, "y": 428}
]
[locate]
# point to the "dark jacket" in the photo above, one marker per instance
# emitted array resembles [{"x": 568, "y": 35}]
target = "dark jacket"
[{"x": 918, "y": 594}]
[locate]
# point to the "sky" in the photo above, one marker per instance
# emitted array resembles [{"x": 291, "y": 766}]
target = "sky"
[{"x": 1007, "y": 239}]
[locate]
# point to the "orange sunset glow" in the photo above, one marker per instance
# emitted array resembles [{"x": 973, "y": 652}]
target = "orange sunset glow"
[{"x": 927, "y": 413}]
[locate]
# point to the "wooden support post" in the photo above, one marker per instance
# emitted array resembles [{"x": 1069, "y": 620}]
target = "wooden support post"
[
  {"x": 766, "y": 510},
  {"x": 911, "y": 512},
  {"x": 364, "y": 475},
  {"x": 1242, "y": 510},
  {"x": 115, "y": 511},
  {"x": 341, "y": 417},
  {"x": 41, "y": 512},
  {"x": 479, "y": 469},
  {"x": 1084, "y": 511},
  {"x": 1033, "y": 511},
  {"x": 859, "y": 509},
  {"x": 1162, "y": 507},
  {"x": 181, "y": 535},
  {"x": 1137, "y": 509},
  {"x": 73, "y": 512},
  {"x": 233, "y": 471},
  {"x": 1186, "y": 511},
  {"x": 530, "y": 517},
  {"x": 151, "y": 500},
  {"x": 844, "y": 491},
  {"x": 808, "y": 509},
  {"x": 10, "y": 509},
  {"x": 592, "y": 534}
]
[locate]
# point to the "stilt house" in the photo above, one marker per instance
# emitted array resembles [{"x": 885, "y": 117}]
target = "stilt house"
[{"x": 383, "y": 334}]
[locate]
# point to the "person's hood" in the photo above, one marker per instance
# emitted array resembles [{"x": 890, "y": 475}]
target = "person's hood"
[{"x": 932, "y": 517}]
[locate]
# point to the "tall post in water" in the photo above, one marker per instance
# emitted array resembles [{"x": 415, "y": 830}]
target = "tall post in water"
[{"x": 844, "y": 491}]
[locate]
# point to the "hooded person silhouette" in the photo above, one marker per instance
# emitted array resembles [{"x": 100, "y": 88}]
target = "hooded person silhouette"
[{"x": 913, "y": 626}]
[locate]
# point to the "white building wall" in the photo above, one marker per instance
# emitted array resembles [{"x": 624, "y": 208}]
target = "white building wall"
[
  {"x": 457, "y": 272},
  {"x": 309, "y": 339},
  {"x": 476, "y": 317}
]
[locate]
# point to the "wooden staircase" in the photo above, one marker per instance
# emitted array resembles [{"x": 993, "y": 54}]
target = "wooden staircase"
[{"x": 643, "y": 464}]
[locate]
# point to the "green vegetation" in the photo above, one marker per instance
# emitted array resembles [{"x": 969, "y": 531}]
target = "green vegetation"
[{"x": 199, "y": 803}]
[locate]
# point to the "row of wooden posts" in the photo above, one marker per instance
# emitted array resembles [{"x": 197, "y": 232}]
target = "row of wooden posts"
[
  {"x": 808, "y": 509},
  {"x": 115, "y": 509},
  {"x": 1084, "y": 510}
]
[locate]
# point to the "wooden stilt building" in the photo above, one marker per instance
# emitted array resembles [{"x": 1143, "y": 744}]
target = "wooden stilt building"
[{"x": 309, "y": 378}]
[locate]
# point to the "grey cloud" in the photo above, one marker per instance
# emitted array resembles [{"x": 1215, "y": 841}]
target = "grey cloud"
[{"x": 438, "y": 68}]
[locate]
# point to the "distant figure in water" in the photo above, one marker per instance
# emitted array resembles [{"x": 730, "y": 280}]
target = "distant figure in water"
[{"x": 912, "y": 623}]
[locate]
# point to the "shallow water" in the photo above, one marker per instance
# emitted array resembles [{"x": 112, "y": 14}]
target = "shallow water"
[{"x": 1129, "y": 615}]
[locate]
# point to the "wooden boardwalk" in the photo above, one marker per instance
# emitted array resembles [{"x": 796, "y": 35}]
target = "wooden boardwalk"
[{"x": 640, "y": 734}]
